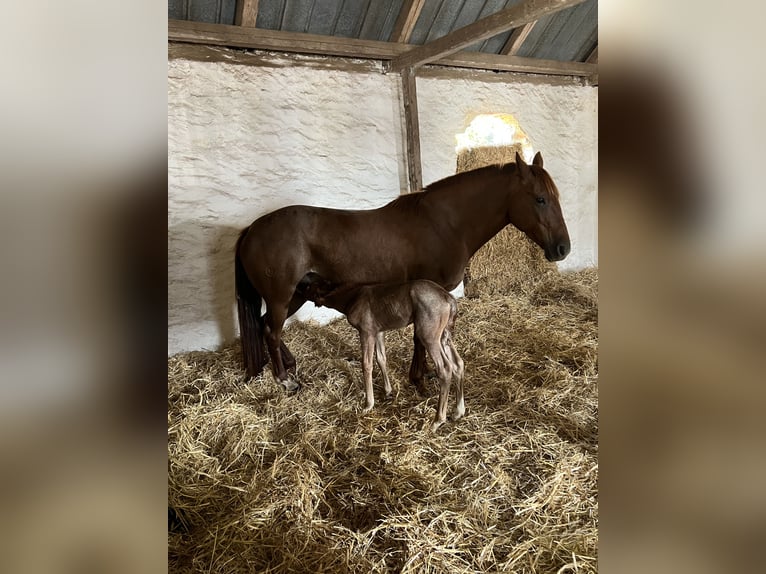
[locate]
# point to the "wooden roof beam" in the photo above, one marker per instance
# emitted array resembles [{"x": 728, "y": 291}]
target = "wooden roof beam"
[
  {"x": 246, "y": 14},
  {"x": 513, "y": 17},
  {"x": 516, "y": 39},
  {"x": 405, "y": 22},
  {"x": 273, "y": 40},
  {"x": 593, "y": 56}
]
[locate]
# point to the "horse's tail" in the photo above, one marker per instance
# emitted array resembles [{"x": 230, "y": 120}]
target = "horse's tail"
[{"x": 250, "y": 320}]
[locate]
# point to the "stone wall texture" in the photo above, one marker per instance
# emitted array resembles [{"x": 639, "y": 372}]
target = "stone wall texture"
[{"x": 244, "y": 140}]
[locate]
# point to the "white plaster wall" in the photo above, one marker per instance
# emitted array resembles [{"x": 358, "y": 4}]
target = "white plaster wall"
[
  {"x": 561, "y": 122},
  {"x": 245, "y": 140}
]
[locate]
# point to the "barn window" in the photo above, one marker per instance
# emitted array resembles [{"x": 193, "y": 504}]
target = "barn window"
[{"x": 494, "y": 131}]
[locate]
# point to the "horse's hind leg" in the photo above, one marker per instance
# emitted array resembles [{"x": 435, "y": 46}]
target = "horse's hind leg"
[
  {"x": 287, "y": 357},
  {"x": 275, "y": 320}
]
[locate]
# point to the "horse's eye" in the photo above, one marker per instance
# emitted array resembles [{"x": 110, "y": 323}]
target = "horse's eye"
[{"x": 541, "y": 200}]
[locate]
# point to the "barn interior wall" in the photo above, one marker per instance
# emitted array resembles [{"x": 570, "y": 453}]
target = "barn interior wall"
[
  {"x": 561, "y": 122},
  {"x": 244, "y": 140}
]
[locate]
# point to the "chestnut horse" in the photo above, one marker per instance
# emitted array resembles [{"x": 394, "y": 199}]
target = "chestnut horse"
[{"x": 427, "y": 235}]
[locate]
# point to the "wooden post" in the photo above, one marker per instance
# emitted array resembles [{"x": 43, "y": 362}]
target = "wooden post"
[
  {"x": 405, "y": 22},
  {"x": 246, "y": 13},
  {"x": 516, "y": 39},
  {"x": 412, "y": 128}
]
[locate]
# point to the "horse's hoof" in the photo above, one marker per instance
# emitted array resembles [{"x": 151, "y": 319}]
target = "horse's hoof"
[
  {"x": 290, "y": 385},
  {"x": 457, "y": 415}
]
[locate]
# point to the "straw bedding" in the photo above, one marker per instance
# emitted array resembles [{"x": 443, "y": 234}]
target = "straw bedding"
[{"x": 263, "y": 481}]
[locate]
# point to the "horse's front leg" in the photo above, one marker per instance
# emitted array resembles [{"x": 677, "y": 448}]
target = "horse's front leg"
[{"x": 418, "y": 367}]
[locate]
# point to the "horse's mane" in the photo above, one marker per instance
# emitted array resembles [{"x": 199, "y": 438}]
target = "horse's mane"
[{"x": 414, "y": 199}]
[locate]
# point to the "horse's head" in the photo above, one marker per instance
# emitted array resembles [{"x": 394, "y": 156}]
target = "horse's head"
[{"x": 534, "y": 208}]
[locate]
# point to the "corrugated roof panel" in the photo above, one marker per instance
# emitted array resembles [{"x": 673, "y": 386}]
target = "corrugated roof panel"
[
  {"x": 469, "y": 13},
  {"x": 473, "y": 11},
  {"x": 228, "y": 11},
  {"x": 204, "y": 11},
  {"x": 444, "y": 20},
  {"x": 177, "y": 9},
  {"x": 380, "y": 19},
  {"x": 568, "y": 35},
  {"x": 562, "y": 35},
  {"x": 295, "y": 17},
  {"x": 587, "y": 46},
  {"x": 423, "y": 24},
  {"x": 323, "y": 17},
  {"x": 270, "y": 14},
  {"x": 490, "y": 7},
  {"x": 350, "y": 18}
]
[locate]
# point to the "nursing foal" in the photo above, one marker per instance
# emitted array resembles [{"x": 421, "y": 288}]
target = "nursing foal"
[{"x": 373, "y": 309}]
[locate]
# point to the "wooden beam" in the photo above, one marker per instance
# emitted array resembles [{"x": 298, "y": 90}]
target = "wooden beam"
[
  {"x": 516, "y": 39},
  {"x": 517, "y": 64},
  {"x": 405, "y": 22},
  {"x": 272, "y": 40},
  {"x": 412, "y": 130},
  {"x": 593, "y": 56},
  {"x": 260, "y": 39},
  {"x": 247, "y": 13},
  {"x": 517, "y": 15}
]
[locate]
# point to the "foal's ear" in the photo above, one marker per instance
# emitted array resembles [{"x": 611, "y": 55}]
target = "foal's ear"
[
  {"x": 522, "y": 166},
  {"x": 538, "y": 160}
]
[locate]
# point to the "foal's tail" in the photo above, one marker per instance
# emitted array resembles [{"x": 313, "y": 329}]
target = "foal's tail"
[{"x": 250, "y": 320}]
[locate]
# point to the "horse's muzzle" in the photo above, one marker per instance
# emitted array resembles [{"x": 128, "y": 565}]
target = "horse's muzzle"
[{"x": 559, "y": 252}]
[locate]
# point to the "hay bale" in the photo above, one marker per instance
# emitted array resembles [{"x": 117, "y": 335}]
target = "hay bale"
[
  {"x": 510, "y": 261},
  {"x": 266, "y": 481}
]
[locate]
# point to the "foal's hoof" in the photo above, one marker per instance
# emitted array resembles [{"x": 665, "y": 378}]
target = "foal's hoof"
[
  {"x": 435, "y": 426},
  {"x": 457, "y": 415}
]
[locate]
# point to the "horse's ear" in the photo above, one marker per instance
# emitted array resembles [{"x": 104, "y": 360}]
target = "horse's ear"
[
  {"x": 522, "y": 166},
  {"x": 538, "y": 160}
]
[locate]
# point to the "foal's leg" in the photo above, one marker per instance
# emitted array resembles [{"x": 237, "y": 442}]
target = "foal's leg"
[
  {"x": 418, "y": 366},
  {"x": 459, "y": 371},
  {"x": 368, "y": 349},
  {"x": 444, "y": 372},
  {"x": 380, "y": 356}
]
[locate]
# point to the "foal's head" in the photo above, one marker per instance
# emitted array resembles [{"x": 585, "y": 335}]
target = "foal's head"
[{"x": 535, "y": 209}]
